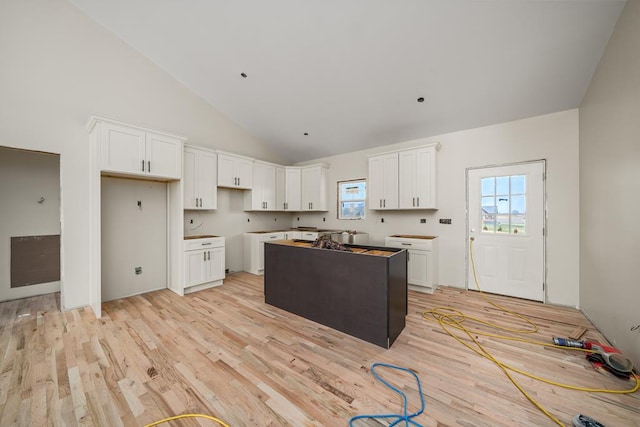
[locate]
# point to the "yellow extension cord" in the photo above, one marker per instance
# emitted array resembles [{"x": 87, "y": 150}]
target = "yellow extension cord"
[
  {"x": 177, "y": 417},
  {"x": 448, "y": 316}
]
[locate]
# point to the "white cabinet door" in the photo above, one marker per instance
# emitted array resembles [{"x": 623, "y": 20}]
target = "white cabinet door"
[
  {"x": 163, "y": 156},
  {"x": 244, "y": 171},
  {"x": 383, "y": 181},
  {"x": 426, "y": 178},
  {"x": 262, "y": 196},
  {"x": 269, "y": 188},
  {"x": 314, "y": 188},
  {"x": 417, "y": 268},
  {"x": 417, "y": 183},
  {"x": 190, "y": 196},
  {"x": 122, "y": 149},
  {"x": 216, "y": 261},
  {"x": 206, "y": 176},
  {"x": 407, "y": 180},
  {"x": 226, "y": 171},
  {"x": 254, "y": 200},
  {"x": 200, "y": 175},
  {"x": 293, "y": 193},
  {"x": 280, "y": 189},
  {"x": 194, "y": 265},
  {"x": 234, "y": 171}
]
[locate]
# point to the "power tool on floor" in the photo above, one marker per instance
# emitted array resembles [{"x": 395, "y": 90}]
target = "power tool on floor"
[
  {"x": 599, "y": 355},
  {"x": 609, "y": 358}
]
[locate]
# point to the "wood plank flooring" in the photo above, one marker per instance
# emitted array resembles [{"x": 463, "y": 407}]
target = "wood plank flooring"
[{"x": 225, "y": 353}]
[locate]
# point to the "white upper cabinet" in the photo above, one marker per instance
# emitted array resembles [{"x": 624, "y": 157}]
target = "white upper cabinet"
[
  {"x": 417, "y": 178},
  {"x": 292, "y": 197},
  {"x": 235, "y": 171},
  {"x": 314, "y": 180},
  {"x": 281, "y": 185},
  {"x": 200, "y": 176},
  {"x": 131, "y": 150},
  {"x": 163, "y": 155},
  {"x": 383, "y": 181},
  {"x": 262, "y": 196}
]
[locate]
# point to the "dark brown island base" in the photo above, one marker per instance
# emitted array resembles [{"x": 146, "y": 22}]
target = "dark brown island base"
[{"x": 362, "y": 293}]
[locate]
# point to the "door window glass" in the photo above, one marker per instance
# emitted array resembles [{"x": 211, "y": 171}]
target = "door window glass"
[{"x": 504, "y": 201}]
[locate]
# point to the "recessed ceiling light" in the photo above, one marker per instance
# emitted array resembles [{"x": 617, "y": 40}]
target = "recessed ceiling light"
[
  {"x": 421, "y": 99},
  {"x": 244, "y": 75}
]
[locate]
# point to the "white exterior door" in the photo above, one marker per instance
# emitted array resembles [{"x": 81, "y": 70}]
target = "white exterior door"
[{"x": 506, "y": 222}]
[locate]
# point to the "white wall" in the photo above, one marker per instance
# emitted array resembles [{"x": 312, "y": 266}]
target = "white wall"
[
  {"x": 132, "y": 236},
  {"x": 553, "y": 137},
  {"x": 25, "y": 178},
  {"x": 609, "y": 188},
  {"x": 58, "y": 68}
]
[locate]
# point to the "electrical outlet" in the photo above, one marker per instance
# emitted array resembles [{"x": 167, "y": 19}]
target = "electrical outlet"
[
  {"x": 423, "y": 220},
  {"x": 138, "y": 270},
  {"x": 381, "y": 219},
  {"x": 445, "y": 221},
  {"x": 226, "y": 271},
  {"x": 191, "y": 221}
]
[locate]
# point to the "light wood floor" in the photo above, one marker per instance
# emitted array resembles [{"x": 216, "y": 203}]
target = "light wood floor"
[{"x": 225, "y": 353}]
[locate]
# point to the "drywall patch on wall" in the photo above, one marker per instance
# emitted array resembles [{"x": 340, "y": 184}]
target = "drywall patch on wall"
[{"x": 34, "y": 260}]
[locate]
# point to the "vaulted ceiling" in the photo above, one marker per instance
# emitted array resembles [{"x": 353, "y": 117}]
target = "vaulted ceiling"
[{"x": 331, "y": 76}]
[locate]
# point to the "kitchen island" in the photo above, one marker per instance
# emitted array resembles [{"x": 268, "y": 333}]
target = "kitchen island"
[{"x": 362, "y": 293}]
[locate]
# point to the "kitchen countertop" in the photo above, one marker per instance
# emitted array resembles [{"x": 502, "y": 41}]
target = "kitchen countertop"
[
  {"x": 357, "y": 250},
  {"x": 413, "y": 236},
  {"x": 200, "y": 236},
  {"x": 308, "y": 230}
]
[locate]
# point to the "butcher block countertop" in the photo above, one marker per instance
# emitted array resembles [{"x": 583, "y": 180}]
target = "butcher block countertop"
[
  {"x": 414, "y": 236},
  {"x": 354, "y": 249}
]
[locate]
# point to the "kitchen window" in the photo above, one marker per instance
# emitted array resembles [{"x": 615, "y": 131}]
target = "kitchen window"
[{"x": 352, "y": 196}]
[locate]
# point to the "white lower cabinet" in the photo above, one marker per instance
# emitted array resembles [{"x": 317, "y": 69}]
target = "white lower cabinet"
[
  {"x": 293, "y": 235},
  {"x": 204, "y": 262},
  {"x": 254, "y": 250},
  {"x": 422, "y": 260},
  {"x": 309, "y": 235}
]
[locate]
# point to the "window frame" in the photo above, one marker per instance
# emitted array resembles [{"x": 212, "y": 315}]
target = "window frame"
[{"x": 340, "y": 201}]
